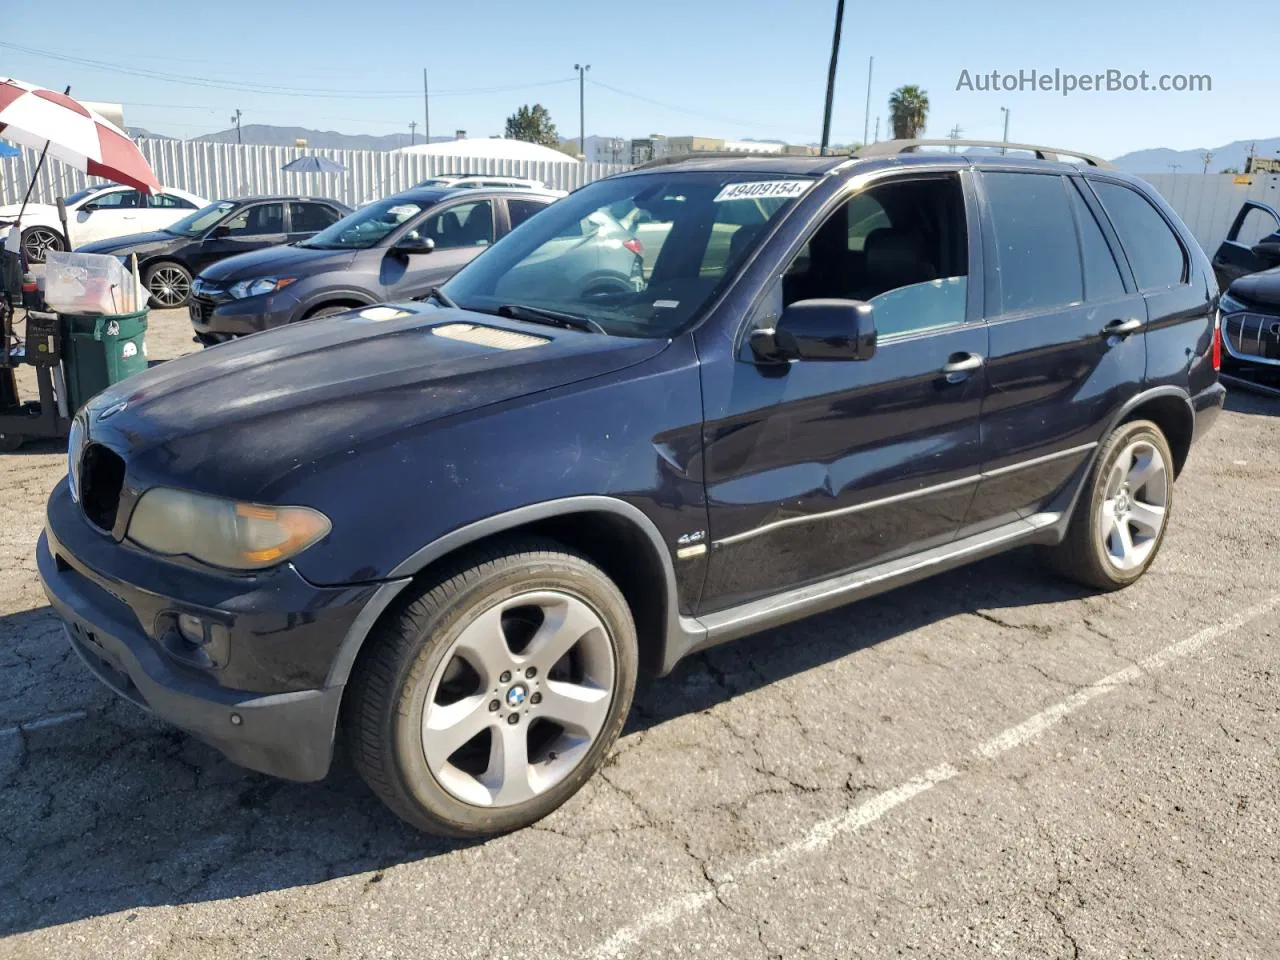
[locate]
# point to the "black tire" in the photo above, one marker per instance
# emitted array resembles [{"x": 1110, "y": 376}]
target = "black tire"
[
  {"x": 383, "y": 711},
  {"x": 328, "y": 311},
  {"x": 175, "y": 282},
  {"x": 38, "y": 240},
  {"x": 9, "y": 442},
  {"x": 1083, "y": 555}
]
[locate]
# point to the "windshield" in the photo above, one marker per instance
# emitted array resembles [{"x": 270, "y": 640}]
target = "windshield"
[
  {"x": 82, "y": 194},
  {"x": 194, "y": 224},
  {"x": 640, "y": 255},
  {"x": 368, "y": 225}
]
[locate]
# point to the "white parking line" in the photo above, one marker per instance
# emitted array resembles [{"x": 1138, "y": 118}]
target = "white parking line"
[
  {"x": 851, "y": 821},
  {"x": 43, "y": 723}
]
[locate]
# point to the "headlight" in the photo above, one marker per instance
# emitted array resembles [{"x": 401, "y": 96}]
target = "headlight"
[
  {"x": 256, "y": 288},
  {"x": 76, "y": 440},
  {"x": 223, "y": 533}
]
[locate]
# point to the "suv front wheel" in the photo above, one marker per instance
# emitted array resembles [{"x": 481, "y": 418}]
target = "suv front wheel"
[
  {"x": 495, "y": 694},
  {"x": 1120, "y": 521}
]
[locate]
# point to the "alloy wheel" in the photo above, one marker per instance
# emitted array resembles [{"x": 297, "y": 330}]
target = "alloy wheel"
[
  {"x": 169, "y": 286},
  {"x": 519, "y": 699},
  {"x": 38, "y": 241},
  {"x": 1135, "y": 505}
]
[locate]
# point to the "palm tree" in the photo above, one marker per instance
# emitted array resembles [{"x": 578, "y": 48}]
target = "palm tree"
[{"x": 908, "y": 110}]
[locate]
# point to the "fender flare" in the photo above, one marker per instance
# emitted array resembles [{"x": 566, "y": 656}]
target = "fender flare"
[{"x": 404, "y": 572}]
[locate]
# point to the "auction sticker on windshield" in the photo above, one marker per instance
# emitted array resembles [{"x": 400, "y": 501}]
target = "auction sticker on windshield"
[{"x": 762, "y": 189}]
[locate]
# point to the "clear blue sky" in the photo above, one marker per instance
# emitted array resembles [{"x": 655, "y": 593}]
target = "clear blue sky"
[{"x": 728, "y": 68}]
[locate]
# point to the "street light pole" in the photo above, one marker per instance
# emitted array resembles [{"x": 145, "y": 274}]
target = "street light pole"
[
  {"x": 582, "y": 108},
  {"x": 236, "y": 120},
  {"x": 831, "y": 77},
  {"x": 1005, "y": 111},
  {"x": 866, "y": 119},
  {"x": 413, "y": 125}
]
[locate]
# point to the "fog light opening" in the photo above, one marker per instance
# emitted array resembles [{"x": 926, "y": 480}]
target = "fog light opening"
[{"x": 192, "y": 629}]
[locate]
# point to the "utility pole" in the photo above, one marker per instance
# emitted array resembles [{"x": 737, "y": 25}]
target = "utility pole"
[
  {"x": 1206, "y": 158},
  {"x": 831, "y": 77},
  {"x": 1175, "y": 167},
  {"x": 582, "y": 108},
  {"x": 413, "y": 125},
  {"x": 866, "y": 119},
  {"x": 1005, "y": 111},
  {"x": 236, "y": 120},
  {"x": 954, "y": 134},
  {"x": 877, "y": 140},
  {"x": 426, "y": 109}
]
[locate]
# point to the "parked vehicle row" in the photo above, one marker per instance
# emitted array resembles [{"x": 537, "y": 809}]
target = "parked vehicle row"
[{"x": 455, "y": 532}]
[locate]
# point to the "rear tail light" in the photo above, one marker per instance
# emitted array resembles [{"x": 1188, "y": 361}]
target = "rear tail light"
[
  {"x": 1217, "y": 340},
  {"x": 635, "y": 246}
]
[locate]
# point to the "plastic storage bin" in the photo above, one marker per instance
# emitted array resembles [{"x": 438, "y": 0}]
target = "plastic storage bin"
[
  {"x": 90, "y": 283},
  {"x": 100, "y": 351}
]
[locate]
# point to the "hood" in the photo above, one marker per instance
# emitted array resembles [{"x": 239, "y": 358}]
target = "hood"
[
  {"x": 133, "y": 243},
  {"x": 9, "y": 211},
  {"x": 234, "y": 419},
  {"x": 1260, "y": 288},
  {"x": 289, "y": 260}
]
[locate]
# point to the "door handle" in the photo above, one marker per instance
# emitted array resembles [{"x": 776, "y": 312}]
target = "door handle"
[
  {"x": 1122, "y": 328},
  {"x": 960, "y": 365}
]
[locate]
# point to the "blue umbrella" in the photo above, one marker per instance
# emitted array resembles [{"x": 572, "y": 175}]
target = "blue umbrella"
[
  {"x": 313, "y": 165},
  {"x": 8, "y": 151}
]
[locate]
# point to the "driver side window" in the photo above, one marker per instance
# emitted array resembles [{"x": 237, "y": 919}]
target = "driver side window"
[
  {"x": 461, "y": 225},
  {"x": 901, "y": 246}
]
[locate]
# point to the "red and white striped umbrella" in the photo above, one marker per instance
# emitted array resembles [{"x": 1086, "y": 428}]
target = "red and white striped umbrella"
[{"x": 76, "y": 135}]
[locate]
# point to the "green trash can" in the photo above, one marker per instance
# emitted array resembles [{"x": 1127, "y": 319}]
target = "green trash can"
[{"x": 100, "y": 351}]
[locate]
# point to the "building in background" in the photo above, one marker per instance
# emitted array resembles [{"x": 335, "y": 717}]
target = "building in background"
[{"x": 600, "y": 149}]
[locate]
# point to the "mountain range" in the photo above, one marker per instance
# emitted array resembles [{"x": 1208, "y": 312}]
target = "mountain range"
[{"x": 1230, "y": 156}]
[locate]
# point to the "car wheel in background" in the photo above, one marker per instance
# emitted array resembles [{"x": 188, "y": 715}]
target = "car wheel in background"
[
  {"x": 38, "y": 241},
  {"x": 169, "y": 285},
  {"x": 494, "y": 695},
  {"x": 1121, "y": 518},
  {"x": 328, "y": 311}
]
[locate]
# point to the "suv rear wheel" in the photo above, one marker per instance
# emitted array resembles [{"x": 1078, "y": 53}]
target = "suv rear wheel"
[
  {"x": 495, "y": 693},
  {"x": 1120, "y": 521}
]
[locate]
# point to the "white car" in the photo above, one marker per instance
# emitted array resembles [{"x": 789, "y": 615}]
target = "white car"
[
  {"x": 465, "y": 180},
  {"x": 97, "y": 213}
]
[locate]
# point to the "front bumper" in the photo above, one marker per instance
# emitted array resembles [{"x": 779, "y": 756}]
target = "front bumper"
[
  {"x": 240, "y": 317},
  {"x": 282, "y": 636}
]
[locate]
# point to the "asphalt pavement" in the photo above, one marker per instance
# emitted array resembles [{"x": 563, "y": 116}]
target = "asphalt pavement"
[{"x": 990, "y": 763}]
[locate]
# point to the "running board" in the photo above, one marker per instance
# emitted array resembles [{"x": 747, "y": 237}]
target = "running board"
[{"x": 715, "y": 628}]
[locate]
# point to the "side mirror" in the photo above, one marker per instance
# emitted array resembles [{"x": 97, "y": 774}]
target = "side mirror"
[
  {"x": 819, "y": 330},
  {"x": 411, "y": 243},
  {"x": 1268, "y": 250}
]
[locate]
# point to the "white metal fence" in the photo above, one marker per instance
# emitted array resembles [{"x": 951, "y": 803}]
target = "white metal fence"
[
  {"x": 218, "y": 170},
  {"x": 1208, "y": 203}
]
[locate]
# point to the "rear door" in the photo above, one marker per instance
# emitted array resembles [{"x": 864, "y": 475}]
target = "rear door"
[
  {"x": 820, "y": 467},
  {"x": 307, "y": 218},
  {"x": 461, "y": 230},
  {"x": 1238, "y": 255},
  {"x": 163, "y": 209},
  {"x": 1067, "y": 340}
]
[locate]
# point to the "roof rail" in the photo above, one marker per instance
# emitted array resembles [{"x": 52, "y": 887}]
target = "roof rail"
[
  {"x": 891, "y": 148},
  {"x": 715, "y": 155}
]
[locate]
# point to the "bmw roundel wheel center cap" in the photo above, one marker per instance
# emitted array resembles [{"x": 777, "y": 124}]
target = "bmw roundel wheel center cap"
[{"x": 517, "y": 695}]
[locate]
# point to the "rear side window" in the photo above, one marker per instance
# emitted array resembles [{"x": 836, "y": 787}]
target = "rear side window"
[
  {"x": 1036, "y": 251},
  {"x": 522, "y": 210},
  {"x": 311, "y": 217},
  {"x": 1154, "y": 251},
  {"x": 1101, "y": 275}
]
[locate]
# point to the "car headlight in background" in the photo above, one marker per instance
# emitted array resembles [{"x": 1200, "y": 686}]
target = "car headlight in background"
[
  {"x": 256, "y": 288},
  {"x": 223, "y": 533}
]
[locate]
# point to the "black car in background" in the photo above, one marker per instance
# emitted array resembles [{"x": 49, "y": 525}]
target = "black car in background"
[
  {"x": 169, "y": 258},
  {"x": 1251, "y": 325},
  {"x": 376, "y": 254},
  {"x": 1239, "y": 255}
]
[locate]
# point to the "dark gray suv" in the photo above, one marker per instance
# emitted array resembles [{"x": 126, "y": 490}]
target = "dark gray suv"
[{"x": 392, "y": 249}]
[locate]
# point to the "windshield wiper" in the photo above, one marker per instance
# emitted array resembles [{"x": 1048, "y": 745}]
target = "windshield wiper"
[
  {"x": 438, "y": 295},
  {"x": 553, "y": 318}
]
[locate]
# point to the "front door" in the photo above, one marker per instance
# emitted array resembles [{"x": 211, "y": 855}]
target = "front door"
[
  {"x": 113, "y": 214},
  {"x": 461, "y": 231},
  {"x": 1068, "y": 340},
  {"x": 815, "y": 468},
  {"x": 1246, "y": 249},
  {"x": 252, "y": 228}
]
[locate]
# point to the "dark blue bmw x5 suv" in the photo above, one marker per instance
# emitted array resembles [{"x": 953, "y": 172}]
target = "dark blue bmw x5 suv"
[{"x": 457, "y": 532}]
